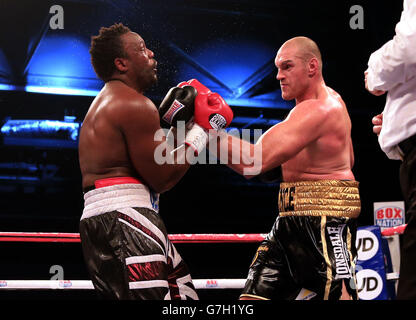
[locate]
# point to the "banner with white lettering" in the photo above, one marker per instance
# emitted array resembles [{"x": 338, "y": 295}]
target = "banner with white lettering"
[
  {"x": 370, "y": 268},
  {"x": 389, "y": 214}
]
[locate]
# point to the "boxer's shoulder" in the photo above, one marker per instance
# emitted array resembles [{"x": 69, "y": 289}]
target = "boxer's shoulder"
[
  {"x": 117, "y": 94},
  {"x": 126, "y": 97},
  {"x": 317, "y": 114},
  {"x": 325, "y": 107},
  {"x": 314, "y": 107},
  {"x": 131, "y": 106}
]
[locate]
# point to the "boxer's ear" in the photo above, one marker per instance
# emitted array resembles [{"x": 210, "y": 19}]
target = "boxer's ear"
[
  {"x": 121, "y": 64},
  {"x": 313, "y": 67}
]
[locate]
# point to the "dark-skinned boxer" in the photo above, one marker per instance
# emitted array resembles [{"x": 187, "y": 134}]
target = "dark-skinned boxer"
[{"x": 124, "y": 240}]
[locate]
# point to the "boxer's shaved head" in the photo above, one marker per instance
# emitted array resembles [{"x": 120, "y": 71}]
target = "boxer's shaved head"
[
  {"x": 299, "y": 65},
  {"x": 306, "y": 49}
]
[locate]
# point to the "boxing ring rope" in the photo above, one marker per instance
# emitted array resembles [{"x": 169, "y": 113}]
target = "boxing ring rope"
[
  {"x": 175, "y": 238},
  {"x": 87, "y": 284}
]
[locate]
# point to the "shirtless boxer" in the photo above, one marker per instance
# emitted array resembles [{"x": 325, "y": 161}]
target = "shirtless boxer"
[
  {"x": 310, "y": 250},
  {"x": 124, "y": 240}
]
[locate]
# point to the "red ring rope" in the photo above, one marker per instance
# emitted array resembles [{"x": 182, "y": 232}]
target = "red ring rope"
[{"x": 175, "y": 238}]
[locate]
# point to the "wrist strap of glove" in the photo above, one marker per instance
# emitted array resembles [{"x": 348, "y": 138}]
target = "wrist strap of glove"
[{"x": 196, "y": 138}]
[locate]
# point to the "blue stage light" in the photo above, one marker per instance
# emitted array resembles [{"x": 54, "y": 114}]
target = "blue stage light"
[
  {"x": 62, "y": 90},
  {"x": 61, "y": 56},
  {"x": 61, "y": 65},
  {"x": 8, "y": 87},
  {"x": 41, "y": 133},
  {"x": 233, "y": 68}
]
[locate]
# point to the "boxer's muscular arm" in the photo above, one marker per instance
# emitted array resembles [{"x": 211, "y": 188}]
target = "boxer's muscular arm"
[
  {"x": 139, "y": 121},
  {"x": 306, "y": 123}
]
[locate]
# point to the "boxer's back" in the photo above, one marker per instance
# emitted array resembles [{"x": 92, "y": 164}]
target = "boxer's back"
[
  {"x": 102, "y": 149},
  {"x": 331, "y": 155}
]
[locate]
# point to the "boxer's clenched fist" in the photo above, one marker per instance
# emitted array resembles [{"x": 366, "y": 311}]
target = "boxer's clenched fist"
[
  {"x": 211, "y": 110},
  {"x": 178, "y": 105}
]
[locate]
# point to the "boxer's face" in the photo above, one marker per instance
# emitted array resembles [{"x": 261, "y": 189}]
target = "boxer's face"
[
  {"x": 292, "y": 72},
  {"x": 141, "y": 62}
]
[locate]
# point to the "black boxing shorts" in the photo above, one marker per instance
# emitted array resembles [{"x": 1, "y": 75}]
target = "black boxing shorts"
[
  {"x": 310, "y": 251},
  {"x": 126, "y": 247}
]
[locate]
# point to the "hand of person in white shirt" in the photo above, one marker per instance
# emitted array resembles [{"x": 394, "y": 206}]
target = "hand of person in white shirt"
[
  {"x": 374, "y": 92},
  {"x": 377, "y": 123}
]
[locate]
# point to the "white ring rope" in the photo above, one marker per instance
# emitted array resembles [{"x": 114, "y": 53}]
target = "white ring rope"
[{"x": 87, "y": 284}]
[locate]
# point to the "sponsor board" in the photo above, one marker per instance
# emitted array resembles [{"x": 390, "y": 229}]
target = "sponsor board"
[
  {"x": 370, "y": 268},
  {"x": 389, "y": 214},
  {"x": 370, "y": 285}
]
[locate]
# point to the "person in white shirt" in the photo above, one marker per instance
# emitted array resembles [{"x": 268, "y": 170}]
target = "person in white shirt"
[{"x": 392, "y": 69}]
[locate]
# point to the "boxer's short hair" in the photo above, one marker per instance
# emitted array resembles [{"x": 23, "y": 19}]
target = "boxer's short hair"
[{"x": 105, "y": 47}]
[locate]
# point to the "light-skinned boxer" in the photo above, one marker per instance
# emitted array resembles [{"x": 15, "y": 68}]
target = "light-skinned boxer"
[{"x": 310, "y": 251}]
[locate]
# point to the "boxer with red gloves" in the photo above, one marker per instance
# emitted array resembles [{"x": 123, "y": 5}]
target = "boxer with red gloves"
[
  {"x": 211, "y": 113},
  {"x": 211, "y": 110},
  {"x": 314, "y": 149}
]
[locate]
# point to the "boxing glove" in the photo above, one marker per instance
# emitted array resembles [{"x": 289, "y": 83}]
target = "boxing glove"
[
  {"x": 196, "y": 84},
  {"x": 211, "y": 110},
  {"x": 178, "y": 105}
]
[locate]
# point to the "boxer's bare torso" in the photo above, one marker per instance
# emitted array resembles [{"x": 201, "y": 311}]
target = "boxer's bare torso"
[
  {"x": 331, "y": 155},
  {"x": 103, "y": 151},
  {"x": 314, "y": 141},
  {"x": 117, "y": 139}
]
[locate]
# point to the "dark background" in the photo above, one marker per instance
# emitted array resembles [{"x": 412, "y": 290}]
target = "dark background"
[{"x": 229, "y": 46}]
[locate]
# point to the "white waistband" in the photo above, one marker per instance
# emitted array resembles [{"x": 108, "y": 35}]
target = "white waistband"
[{"x": 107, "y": 199}]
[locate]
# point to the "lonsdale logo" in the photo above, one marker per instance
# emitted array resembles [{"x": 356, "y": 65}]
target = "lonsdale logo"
[{"x": 340, "y": 252}]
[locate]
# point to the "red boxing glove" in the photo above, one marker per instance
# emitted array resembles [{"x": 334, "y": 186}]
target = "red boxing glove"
[
  {"x": 211, "y": 110},
  {"x": 196, "y": 84}
]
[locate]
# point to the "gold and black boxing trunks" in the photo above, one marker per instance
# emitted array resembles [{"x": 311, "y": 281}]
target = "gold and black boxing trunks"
[
  {"x": 126, "y": 247},
  {"x": 310, "y": 251}
]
